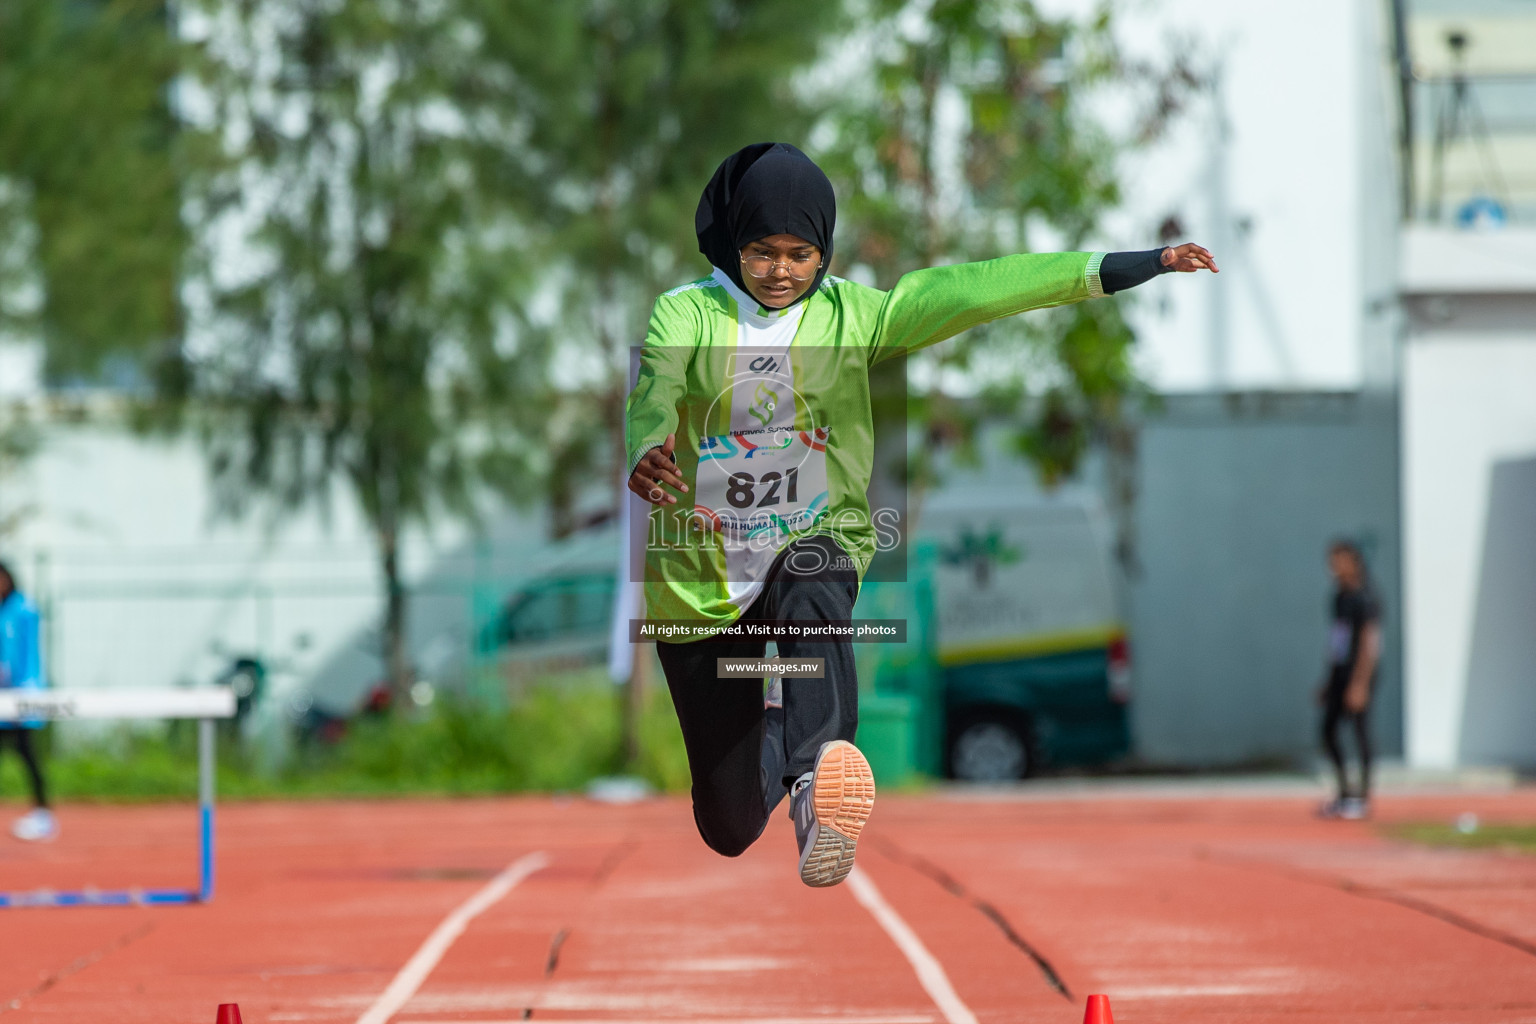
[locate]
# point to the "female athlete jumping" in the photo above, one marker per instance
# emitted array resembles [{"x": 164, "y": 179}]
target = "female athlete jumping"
[{"x": 750, "y": 432}]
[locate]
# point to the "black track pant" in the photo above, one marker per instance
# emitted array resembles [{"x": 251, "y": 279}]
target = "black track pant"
[
  {"x": 1334, "y": 714},
  {"x": 22, "y": 740},
  {"x": 743, "y": 759}
]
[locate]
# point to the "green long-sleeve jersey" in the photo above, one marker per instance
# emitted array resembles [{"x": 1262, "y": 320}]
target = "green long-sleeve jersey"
[{"x": 772, "y": 417}]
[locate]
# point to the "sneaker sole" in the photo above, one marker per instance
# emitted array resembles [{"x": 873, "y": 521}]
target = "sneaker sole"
[
  {"x": 50, "y": 837},
  {"x": 843, "y": 794}
]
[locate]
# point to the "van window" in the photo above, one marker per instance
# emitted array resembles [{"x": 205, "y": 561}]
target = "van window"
[{"x": 558, "y": 607}]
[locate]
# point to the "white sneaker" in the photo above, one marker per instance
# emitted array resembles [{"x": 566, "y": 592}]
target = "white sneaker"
[
  {"x": 830, "y": 807},
  {"x": 35, "y": 826},
  {"x": 1354, "y": 808}
]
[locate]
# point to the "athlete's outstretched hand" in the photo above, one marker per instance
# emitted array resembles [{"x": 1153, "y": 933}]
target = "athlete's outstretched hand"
[
  {"x": 655, "y": 468},
  {"x": 1188, "y": 258}
]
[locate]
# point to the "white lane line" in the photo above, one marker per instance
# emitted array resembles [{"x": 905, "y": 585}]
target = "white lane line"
[
  {"x": 419, "y": 966},
  {"x": 929, "y": 971}
]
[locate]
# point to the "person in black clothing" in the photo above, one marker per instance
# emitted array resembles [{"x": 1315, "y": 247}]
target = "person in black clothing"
[{"x": 1354, "y": 650}]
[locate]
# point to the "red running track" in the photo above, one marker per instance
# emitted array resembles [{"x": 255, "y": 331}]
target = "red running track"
[{"x": 1180, "y": 907}]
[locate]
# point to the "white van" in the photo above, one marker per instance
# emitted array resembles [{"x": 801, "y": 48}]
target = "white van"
[{"x": 1028, "y": 635}]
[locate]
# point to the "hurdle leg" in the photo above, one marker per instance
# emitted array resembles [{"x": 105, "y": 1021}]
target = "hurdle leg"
[{"x": 205, "y": 770}]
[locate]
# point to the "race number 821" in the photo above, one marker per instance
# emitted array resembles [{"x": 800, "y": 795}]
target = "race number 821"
[
  {"x": 749, "y": 488},
  {"x": 741, "y": 489}
]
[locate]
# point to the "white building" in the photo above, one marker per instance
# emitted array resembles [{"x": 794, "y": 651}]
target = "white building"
[
  {"x": 1353, "y": 372},
  {"x": 1469, "y": 495}
]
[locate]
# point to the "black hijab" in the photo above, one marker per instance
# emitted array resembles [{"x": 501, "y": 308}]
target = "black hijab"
[{"x": 768, "y": 188}]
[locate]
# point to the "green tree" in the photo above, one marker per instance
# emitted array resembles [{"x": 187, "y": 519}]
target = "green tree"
[
  {"x": 91, "y": 239},
  {"x": 90, "y": 232},
  {"x": 630, "y": 107},
  {"x": 349, "y": 303}
]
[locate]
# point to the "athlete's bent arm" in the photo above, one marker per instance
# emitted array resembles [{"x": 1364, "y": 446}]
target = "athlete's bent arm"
[{"x": 650, "y": 414}]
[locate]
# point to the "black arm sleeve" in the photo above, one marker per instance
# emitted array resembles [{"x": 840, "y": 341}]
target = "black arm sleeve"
[{"x": 1122, "y": 270}]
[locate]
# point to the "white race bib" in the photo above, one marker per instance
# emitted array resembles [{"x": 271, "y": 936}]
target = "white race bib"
[{"x": 762, "y": 484}]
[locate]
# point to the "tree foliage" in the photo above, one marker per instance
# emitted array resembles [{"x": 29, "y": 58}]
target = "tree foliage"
[
  {"x": 627, "y": 109},
  {"x": 972, "y": 137},
  {"x": 355, "y": 265},
  {"x": 91, "y": 239},
  {"x": 438, "y": 229}
]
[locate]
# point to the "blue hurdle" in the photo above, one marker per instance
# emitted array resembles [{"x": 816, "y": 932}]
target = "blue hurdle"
[{"x": 206, "y": 704}]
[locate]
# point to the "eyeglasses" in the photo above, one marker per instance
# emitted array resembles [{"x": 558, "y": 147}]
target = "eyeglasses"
[{"x": 801, "y": 267}]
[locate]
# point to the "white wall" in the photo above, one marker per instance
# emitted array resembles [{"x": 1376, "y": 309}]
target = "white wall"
[
  {"x": 144, "y": 585},
  {"x": 1279, "y": 172},
  {"x": 1469, "y": 499}
]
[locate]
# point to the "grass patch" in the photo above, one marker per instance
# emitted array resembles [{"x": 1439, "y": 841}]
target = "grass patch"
[
  {"x": 556, "y": 739},
  {"x": 1487, "y": 836}
]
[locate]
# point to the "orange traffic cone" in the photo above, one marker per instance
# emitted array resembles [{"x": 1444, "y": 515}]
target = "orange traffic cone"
[
  {"x": 1097, "y": 1012},
  {"x": 229, "y": 1013}
]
